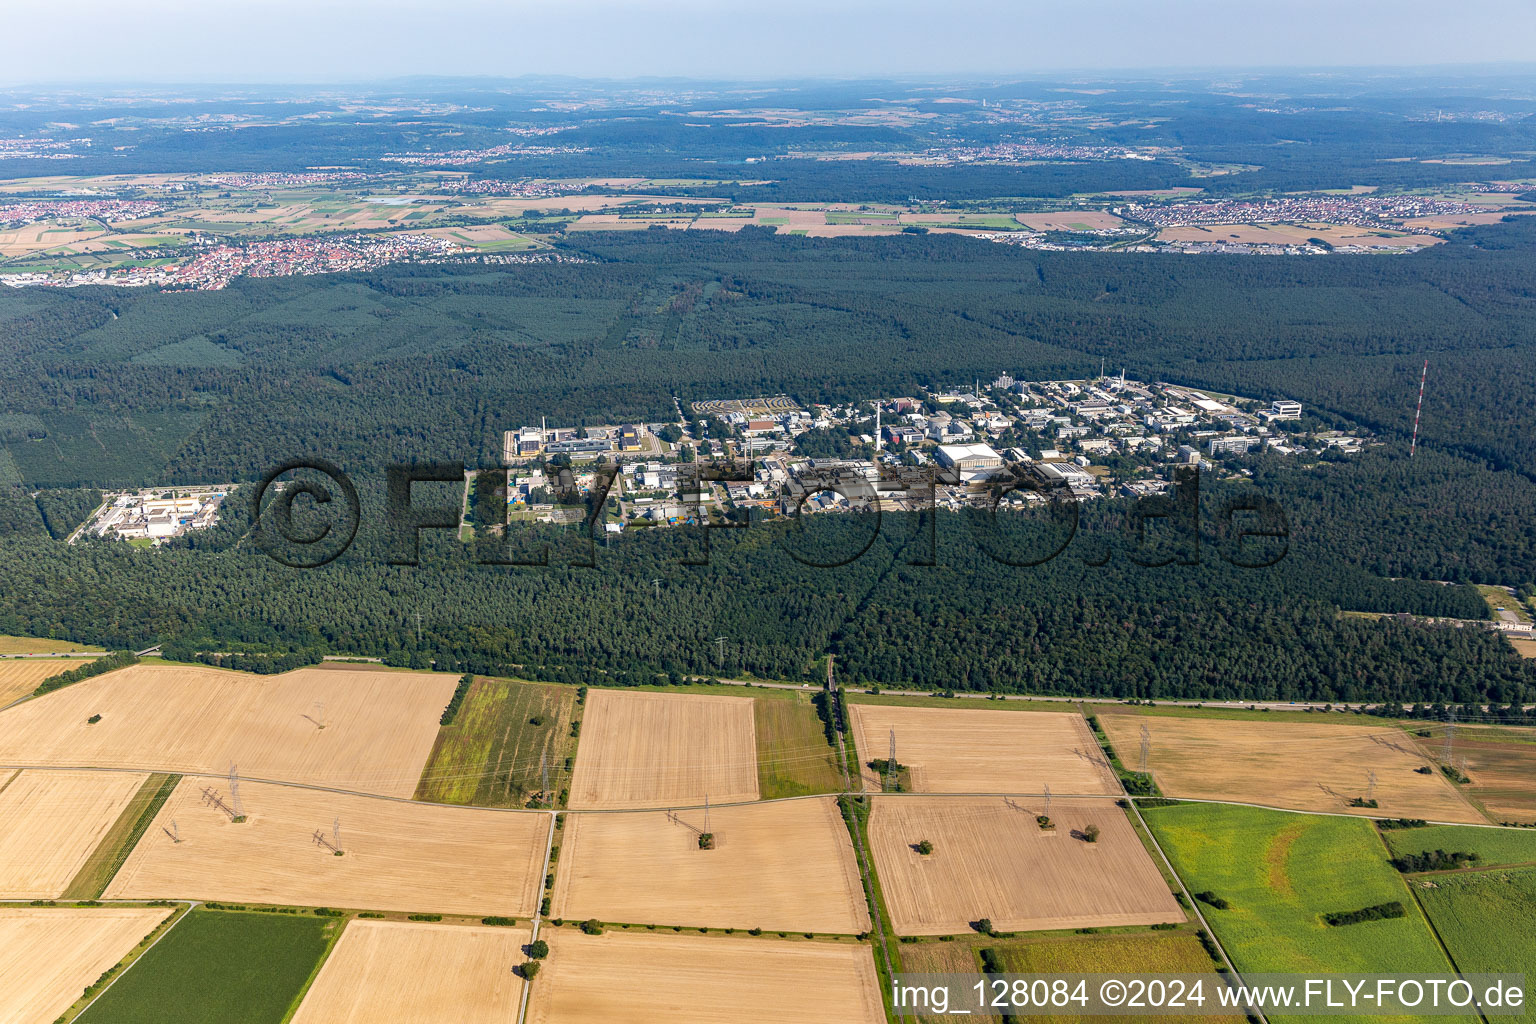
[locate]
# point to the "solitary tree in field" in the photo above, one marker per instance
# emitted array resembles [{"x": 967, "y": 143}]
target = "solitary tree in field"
[
  {"x": 1091, "y": 833},
  {"x": 530, "y": 970},
  {"x": 538, "y": 949},
  {"x": 924, "y": 847}
]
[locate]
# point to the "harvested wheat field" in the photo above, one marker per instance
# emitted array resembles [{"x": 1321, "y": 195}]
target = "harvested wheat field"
[
  {"x": 396, "y": 855},
  {"x": 963, "y": 750},
  {"x": 641, "y": 749},
  {"x": 351, "y": 729},
  {"x": 783, "y": 866},
  {"x": 50, "y": 821},
  {"x": 418, "y": 974},
  {"x": 1295, "y": 765},
  {"x": 20, "y": 676},
  {"x": 702, "y": 979},
  {"x": 49, "y": 955},
  {"x": 44, "y": 645},
  {"x": 991, "y": 860}
]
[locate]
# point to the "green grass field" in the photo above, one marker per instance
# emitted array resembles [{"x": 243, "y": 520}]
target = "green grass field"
[
  {"x": 1171, "y": 952},
  {"x": 217, "y": 966},
  {"x": 1487, "y": 919},
  {"x": 1281, "y": 872},
  {"x": 1493, "y": 845},
  {"x": 793, "y": 755},
  {"x": 120, "y": 840},
  {"x": 490, "y": 755}
]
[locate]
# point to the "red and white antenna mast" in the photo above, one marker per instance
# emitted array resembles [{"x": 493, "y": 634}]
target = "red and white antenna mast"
[{"x": 1419, "y": 409}]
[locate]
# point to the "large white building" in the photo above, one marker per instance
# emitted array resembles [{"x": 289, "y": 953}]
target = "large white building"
[{"x": 969, "y": 458}]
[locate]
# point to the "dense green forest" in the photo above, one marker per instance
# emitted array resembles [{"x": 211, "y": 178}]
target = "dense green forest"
[
  {"x": 112, "y": 387},
  {"x": 966, "y": 621},
  {"x": 427, "y": 362}
]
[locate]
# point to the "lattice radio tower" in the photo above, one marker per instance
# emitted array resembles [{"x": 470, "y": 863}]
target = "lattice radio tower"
[
  {"x": 544, "y": 774},
  {"x": 236, "y": 805},
  {"x": 890, "y": 765},
  {"x": 706, "y": 814},
  {"x": 1370, "y": 789},
  {"x": 1448, "y": 755},
  {"x": 1146, "y": 745},
  {"x": 1417, "y": 410},
  {"x": 336, "y": 833},
  {"x": 1047, "y": 799}
]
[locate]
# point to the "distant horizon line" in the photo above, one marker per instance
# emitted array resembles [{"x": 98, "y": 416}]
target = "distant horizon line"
[{"x": 971, "y": 79}]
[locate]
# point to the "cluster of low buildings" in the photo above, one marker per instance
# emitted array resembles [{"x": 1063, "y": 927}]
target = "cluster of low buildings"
[
  {"x": 523, "y": 188},
  {"x": 216, "y": 266},
  {"x": 466, "y": 157},
  {"x": 156, "y": 515},
  {"x": 946, "y": 448},
  {"x": 285, "y": 257},
  {"x": 260, "y": 180},
  {"x": 107, "y": 210},
  {"x": 528, "y": 443},
  {"x": 41, "y": 148},
  {"x": 1360, "y": 210},
  {"x": 1035, "y": 149}
]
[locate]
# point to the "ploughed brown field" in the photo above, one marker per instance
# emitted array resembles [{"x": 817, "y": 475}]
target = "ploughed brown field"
[
  {"x": 362, "y": 730},
  {"x": 48, "y": 955},
  {"x": 397, "y": 855},
  {"x": 1502, "y": 766},
  {"x": 980, "y": 750},
  {"x": 641, "y": 749},
  {"x": 50, "y": 821},
  {"x": 782, "y": 866},
  {"x": 992, "y": 860},
  {"x": 408, "y": 973},
  {"x": 1295, "y": 765},
  {"x": 702, "y": 979}
]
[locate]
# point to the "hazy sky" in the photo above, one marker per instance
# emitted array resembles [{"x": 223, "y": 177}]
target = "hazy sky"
[{"x": 331, "y": 40}]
